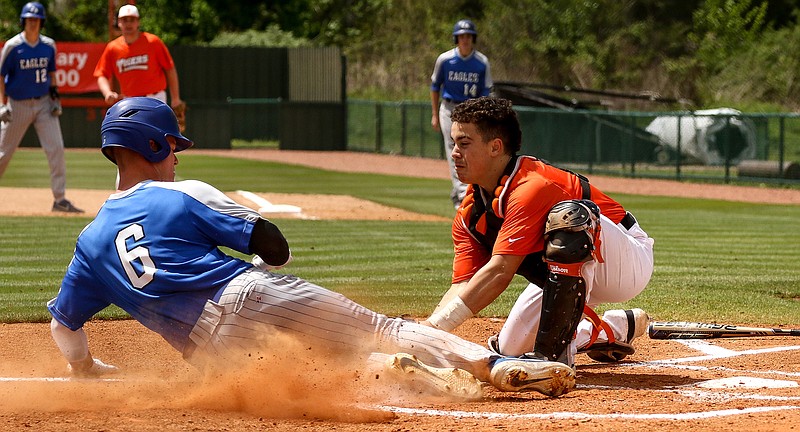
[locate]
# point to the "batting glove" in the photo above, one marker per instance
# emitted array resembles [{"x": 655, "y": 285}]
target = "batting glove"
[
  {"x": 90, "y": 367},
  {"x": 5, "y": 113},
  {"x": 55, "y": 107},
  {"x": 259, "y": 263}
]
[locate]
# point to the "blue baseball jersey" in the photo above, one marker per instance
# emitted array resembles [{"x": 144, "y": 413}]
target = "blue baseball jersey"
[
  {"x": 26, "y": 68},
  {"x": 153, "y": 251},
  {"x": 460, "y": 78}
]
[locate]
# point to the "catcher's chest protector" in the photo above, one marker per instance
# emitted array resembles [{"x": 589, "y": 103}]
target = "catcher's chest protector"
[{"x": 484, "y": 224}]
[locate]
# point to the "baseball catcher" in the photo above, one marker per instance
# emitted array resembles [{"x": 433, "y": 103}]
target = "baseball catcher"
[{"x": 575, "y": 245}]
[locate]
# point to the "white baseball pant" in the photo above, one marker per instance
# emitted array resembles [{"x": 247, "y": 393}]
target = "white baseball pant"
[
  {"x": 258, "y": 302},
  {"x": 48, "y": 129},
  {"x": 626, "y": 270},
  {"x": 445, "y": 124}
]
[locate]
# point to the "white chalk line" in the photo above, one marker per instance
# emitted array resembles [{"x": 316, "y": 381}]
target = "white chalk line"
[
  {"x": 60, "y": 379},
  {"x": 726, "y": 354},
  {"x": 702, "y": 395},
  {"x": 678, "y": 362},
  {"x": 585, "y": 416},
  {"x": 706, "y": 347},
  {"x": 712, "y": 354}
]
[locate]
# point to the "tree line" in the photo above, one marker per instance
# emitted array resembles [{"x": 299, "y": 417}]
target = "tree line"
[{"x": 740, "y": 53}]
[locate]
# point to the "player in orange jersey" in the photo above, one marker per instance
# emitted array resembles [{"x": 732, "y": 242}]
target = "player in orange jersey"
[{"x": 573, "y": 243}]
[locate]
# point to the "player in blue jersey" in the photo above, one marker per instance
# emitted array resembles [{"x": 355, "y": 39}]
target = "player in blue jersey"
[
  {"x": 27, "y": 67},
  {"x": 459, "y": 74},
  {"x": 153, "y": 250}
]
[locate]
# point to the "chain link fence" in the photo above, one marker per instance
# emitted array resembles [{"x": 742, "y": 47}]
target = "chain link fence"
[{"x": 721, "y": 145}]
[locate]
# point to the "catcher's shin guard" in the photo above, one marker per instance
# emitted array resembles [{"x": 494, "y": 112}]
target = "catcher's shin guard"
[
  {"x": 562, "y": 308},
  {"x": 571, "y": 232}
]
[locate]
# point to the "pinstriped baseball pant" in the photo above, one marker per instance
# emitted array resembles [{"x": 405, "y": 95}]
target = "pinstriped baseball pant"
[
  {"x": 48, "y": 129},
  {"x": 257, "y": 302}
]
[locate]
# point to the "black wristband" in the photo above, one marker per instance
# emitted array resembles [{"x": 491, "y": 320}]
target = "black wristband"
[{"x": 54, "y": 92}]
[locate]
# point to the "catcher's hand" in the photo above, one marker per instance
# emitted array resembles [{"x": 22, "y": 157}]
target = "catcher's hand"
[
  {"x": 180, "y": 113},
  {"x": 5, "y": 113}
]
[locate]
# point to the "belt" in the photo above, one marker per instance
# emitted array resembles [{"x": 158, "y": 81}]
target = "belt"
[
  {"x": 448, "y": 100},
  {"x": 628, "y": 221},
  {"x": 30, "y": 98}
]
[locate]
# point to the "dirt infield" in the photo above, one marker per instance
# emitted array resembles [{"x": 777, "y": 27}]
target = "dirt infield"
[
  {"x": 735, "y": 384},
  {"x": 746, "y": 384}
]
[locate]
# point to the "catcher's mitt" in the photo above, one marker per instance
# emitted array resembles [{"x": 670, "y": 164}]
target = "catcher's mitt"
[{"x": 180, "y": 113}]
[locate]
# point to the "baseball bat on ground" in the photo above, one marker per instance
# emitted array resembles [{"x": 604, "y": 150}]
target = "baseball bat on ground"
[{"x": 699, "y": 330}]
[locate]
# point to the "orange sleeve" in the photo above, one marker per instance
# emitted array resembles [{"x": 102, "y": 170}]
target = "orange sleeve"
[
  {"x": 105, "y": 66},
  {"x": 163, "y": 57}
]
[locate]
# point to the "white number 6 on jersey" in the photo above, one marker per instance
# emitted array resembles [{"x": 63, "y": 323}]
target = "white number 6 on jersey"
[{"x": 129, "y": 256}]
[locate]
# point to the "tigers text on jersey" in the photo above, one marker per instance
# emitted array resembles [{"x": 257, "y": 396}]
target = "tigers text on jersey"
[
  {"x": 139, "y": 67},
  {"x": 152, "y": 251},
  {"x": 461, "y": 78},
  {"x": 26, "y": 68}
]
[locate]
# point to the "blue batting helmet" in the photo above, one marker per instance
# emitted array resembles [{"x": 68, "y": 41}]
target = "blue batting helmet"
[
  {"x": 133, "y": 122},
  {"x": 464, "y": 26},
  {"x": 31, "y": 10}
]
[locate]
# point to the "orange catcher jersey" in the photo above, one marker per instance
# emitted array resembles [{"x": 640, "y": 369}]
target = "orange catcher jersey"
[
  {"x": 516, "y": 213},
  {"x": 139, "y": 67}
]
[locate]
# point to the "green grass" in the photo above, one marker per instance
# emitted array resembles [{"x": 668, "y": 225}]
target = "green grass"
[
  {"x": 91, "y": 170},
  {"x": 715, "y": 260}
]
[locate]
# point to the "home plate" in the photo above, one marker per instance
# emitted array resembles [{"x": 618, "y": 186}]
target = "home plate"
[
  {"x": 265, "y": 206},
  {"x": 747, "y": 382}
]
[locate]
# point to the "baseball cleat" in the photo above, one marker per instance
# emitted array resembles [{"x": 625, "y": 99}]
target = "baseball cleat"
[
  {"x": 65, "y": 206},
  {"x": 631, "y": 322},
  {"x": 450, "y": 382},
  {"x": 513, "y": 374}
]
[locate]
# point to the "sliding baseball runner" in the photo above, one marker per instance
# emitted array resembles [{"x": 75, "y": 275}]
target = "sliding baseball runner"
[{"x": 154, "y": 250}]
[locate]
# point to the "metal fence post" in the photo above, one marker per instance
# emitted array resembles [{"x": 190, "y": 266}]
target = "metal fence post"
[
  {"x": 781, "y": 148},
  {"x": 678, "y": 149},
  {"x": 422, "y": 132},
  {"x": 631, "y": 145},
  {"x": 403, "y": 128},
  {"x": 727, "y": 149},
  {"x": 379, "y": 127}
]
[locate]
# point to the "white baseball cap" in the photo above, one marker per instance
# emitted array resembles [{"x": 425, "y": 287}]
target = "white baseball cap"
[{"x": 127, "y": 11}]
